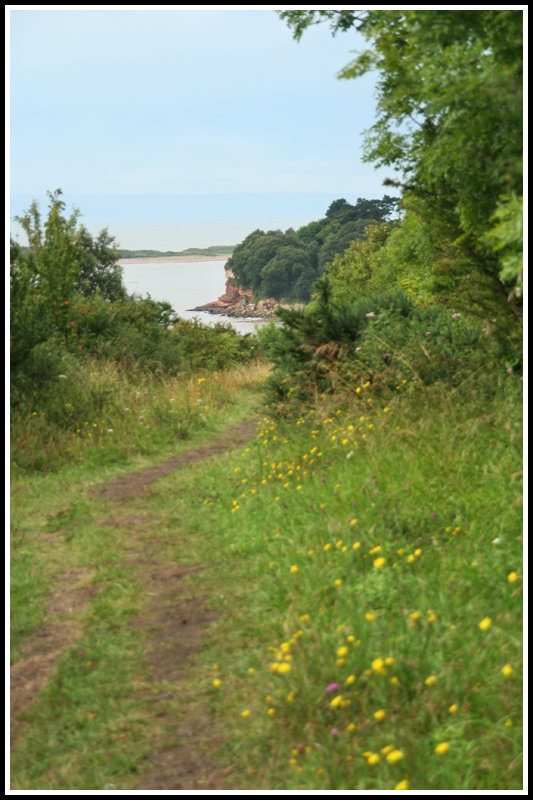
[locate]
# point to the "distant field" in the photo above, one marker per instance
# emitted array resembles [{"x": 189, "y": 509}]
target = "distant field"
[{"x": 215, "y": 250}]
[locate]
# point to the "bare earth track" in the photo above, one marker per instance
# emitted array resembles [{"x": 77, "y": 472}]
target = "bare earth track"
[{"x": 174, "y": 622}]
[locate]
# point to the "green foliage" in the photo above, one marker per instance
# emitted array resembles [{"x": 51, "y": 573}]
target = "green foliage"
[
  {"x": 285, "y": 265},
  {"x": 61, "y": 260},
  {"x": 359, "y": 270},
  {"x": 506, "y": 238},
  {"x": 381, "y": 338},
  {"x": 68, "y": 302},
  {"x": 98, "y": 270},
  {"x": 449, "y": 122}
]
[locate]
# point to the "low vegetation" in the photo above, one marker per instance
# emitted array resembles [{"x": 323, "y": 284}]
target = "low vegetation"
[{"x": 360, "y": 560}]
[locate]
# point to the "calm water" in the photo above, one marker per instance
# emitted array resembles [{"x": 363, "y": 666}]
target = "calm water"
[{"x": 185, "y": 285}]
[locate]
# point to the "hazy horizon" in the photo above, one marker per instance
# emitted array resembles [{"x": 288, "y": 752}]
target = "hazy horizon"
[
  {"x": 179, "y": 128},
  {"x": 178, "y": 222}
]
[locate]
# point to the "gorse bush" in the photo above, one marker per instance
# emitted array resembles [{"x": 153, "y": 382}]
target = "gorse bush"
[{"x": 383, "y": 339}]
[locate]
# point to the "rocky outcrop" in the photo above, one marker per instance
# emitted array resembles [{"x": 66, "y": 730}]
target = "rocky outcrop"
[{"x": 237, "y": 301}]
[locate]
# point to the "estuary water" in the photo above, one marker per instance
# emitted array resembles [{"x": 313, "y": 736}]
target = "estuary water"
[{"x": 185, "y": 285}]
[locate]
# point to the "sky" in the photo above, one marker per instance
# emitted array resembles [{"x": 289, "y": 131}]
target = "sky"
[{"x": 184, "y": 126}]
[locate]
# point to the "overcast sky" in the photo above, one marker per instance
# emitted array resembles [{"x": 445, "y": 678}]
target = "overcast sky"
[{"x": 179, "y": 126}]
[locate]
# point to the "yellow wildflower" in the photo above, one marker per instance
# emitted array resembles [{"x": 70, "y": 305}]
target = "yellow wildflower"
[
  {"x": 379, "y": 562},
  {"x": 507, "y": 670},
  {"x": 512, "y": 577},
  {"x": 431, "y": 680},
  {"x": 394, "y": 755},
  {"x": 485, "y": 624},
  {"x": 453, "y": 709},
  {"x": 442, "y": 748},
  {"x": 380, "y": 714},
  {"x": 402, "y": 786}
]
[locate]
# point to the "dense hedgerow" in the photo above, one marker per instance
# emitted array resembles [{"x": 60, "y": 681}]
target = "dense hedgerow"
[{"x": 385, "y": 339}]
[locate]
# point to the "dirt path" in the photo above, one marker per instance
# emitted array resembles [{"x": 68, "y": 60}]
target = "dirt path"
[
  {"x": 174, "y": 621},
  {"x": 128, "y": 486}
]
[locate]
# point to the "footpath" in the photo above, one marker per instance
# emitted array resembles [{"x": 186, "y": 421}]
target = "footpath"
[{"x": 173, "y": 623}]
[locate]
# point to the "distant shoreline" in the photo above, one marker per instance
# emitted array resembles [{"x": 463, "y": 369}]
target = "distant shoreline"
[{"x": 169, "y": 259}]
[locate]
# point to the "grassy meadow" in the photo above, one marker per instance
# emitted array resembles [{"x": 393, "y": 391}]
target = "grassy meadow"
[{"x": 367, "y": 589}]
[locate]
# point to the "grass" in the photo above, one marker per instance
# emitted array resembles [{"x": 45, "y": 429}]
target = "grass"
[
  {"x": 376, "y": 554},
  {"x": 368, "y": 590},
  {"x": 103, "y": 415}
]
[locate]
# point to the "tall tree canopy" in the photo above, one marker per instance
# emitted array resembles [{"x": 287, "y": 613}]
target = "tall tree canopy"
[
  {"x": 277, "y": 264},
  {"x": 449, "y": 122}
]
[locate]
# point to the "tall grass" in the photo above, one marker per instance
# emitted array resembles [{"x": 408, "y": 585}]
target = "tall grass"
[
  {"x": 366, "y": 558},
  {"x": 99, "y": 412},
  {"x": 376, "y": 550}
]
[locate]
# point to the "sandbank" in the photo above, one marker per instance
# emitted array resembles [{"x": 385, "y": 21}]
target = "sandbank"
[{"x": 169, "y": 259}]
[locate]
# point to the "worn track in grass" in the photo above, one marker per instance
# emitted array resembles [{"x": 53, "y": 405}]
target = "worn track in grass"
[{"x": 174, "y": 622}]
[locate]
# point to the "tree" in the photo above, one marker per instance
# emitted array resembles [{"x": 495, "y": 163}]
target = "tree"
[
  {"x": 98, "y": 270},
  {"x": 288, "y": 274},
  {"x": 449, "y": 118},
  {"x": 60, "y": 262}
]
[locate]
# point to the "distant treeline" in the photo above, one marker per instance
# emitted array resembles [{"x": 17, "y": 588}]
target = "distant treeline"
[
  {"x": 214, "y": 250},
  {"x": 277, "y": 264}
]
